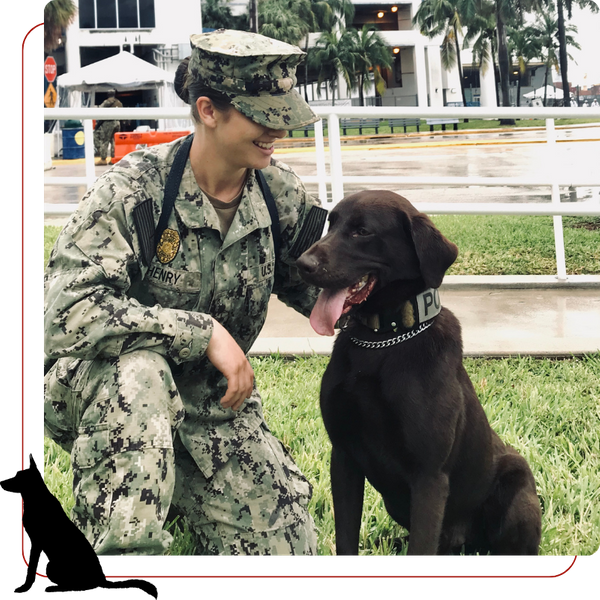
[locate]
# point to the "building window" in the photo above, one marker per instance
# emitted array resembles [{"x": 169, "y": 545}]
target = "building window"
[{"x": 116, "y": 14}]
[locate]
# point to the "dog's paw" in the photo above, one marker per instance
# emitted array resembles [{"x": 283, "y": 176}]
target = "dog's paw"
[{"x": 24, "y": 588}]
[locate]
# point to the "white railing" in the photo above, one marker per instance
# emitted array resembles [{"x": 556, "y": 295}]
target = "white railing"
[{"x": 336, "y": 178}]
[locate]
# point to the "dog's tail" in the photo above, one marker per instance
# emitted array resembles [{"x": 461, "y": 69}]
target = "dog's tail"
[{"x": 133, "y": 583}]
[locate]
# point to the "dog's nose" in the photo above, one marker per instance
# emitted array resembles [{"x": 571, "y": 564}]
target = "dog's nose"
[{"x": 307, "y": 264}]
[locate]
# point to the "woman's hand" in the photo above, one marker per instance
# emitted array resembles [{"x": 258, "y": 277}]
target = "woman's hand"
[{"x": 226, "y": 356}]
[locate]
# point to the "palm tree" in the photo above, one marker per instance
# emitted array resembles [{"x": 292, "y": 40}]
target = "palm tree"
[
  {"x": 333, "y": 57},
  {"x": 326, "y": 15},
  {"x": 371, "y": 52},
  {"x": 286, "y": 20},
  {"x": 58, "y": 15},
  {"x": 546, "y": 30},
  {"x": 523, "y": 45},
  {"x": 443, "y": 17},
  {"x": 216, "y": 14},
  {"x": 505, "y": 14}
]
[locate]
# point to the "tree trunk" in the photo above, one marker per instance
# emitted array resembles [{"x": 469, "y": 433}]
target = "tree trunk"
[
  {"x": 459, "y": 64},
  {"x": 504, "y": 64},
  {"x": 306, "y": 70},
  {"x": 253, "y": 16},
  {"x": 361, "y": 93},
  {"x": 546, "y": 83},
  {"x": 562, "y": 54}
]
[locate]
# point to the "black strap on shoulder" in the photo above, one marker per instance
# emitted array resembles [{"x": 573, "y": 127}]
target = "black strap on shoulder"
[
  {"x": 172, "y": 186},
  {"x": 268, "y": 196},
  {"x": 174, "y": 181}
]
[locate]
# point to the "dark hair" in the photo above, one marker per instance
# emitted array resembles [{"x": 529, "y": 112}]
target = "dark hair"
[{"x": 189, "y": 90}]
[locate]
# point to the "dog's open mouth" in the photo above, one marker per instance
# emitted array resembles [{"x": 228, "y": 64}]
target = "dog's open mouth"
[{"x": 332, "y": 304}]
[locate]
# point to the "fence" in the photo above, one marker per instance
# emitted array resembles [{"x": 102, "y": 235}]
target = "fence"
[{"x": 336, "y": 178}]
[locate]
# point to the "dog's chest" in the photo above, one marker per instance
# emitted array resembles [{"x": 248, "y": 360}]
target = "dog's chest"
[{"x": 368, "y": 423}]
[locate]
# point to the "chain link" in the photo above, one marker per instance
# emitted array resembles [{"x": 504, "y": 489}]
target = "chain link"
[{"x": 392, "y": 341}]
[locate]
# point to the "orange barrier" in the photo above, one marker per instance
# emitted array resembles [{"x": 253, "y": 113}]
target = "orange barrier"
[{"x": 128, "y": 142}]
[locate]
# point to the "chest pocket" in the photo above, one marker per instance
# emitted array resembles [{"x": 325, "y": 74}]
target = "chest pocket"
[
  {"x": 259, "y": 284},
  {"x": 172, "y": 288}
]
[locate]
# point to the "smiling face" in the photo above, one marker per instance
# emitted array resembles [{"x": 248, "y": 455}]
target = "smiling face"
[{"x": 244, "y": 143}]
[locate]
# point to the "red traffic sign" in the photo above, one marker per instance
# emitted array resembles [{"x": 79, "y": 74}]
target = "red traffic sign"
[{"x": 50, "y": 69}]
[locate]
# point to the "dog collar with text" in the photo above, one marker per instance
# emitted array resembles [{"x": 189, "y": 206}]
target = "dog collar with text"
[{"x": 414, "y": 312}]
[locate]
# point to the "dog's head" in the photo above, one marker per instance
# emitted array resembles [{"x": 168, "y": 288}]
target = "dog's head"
[
  {"x": 374, "y": 238},
  {"x": 20, "y": 481}
]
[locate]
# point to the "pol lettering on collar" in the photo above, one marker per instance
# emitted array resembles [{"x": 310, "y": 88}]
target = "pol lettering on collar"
[{"x": 429, "y": 304}]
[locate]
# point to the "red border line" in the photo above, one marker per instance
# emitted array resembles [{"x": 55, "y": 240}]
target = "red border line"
[
  {"x": 560, "y": 574},
  {"x": 23, "y": 244}
]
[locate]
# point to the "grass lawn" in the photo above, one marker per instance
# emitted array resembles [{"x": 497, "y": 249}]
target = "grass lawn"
[
  {"x": 549, "y": 410},
  {"x": 500, "y": 245},
  {"x": 462, "y": 125}
]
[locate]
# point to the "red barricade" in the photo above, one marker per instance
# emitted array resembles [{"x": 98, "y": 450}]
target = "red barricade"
[{"x": 128, "y": 142}]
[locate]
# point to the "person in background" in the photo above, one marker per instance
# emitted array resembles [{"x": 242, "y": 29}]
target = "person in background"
[{"x": 104, "y": 134}]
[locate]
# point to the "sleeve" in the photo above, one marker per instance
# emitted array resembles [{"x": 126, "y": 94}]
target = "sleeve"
[
  {"x": 88, "y": 311},
  {"x": 302, "y": 219}
]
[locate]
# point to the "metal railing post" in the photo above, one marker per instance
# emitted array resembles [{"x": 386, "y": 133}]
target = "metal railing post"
[
  {"x": 559, "y": 238},
  {"x": 320, "y": 159},
  {"x": 335, "y": 155},
  {"x": 88, "y": 145}
]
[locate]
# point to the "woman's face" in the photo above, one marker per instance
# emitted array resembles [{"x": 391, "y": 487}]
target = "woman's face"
[{"x": 244, "y": 143}]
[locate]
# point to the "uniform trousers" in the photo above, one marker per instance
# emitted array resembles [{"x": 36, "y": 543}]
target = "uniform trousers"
[{"x": 118, "y": 417}]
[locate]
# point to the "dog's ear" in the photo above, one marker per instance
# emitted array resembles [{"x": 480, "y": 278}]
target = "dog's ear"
[
  {"x": 435, "y": 252},
  {"x": 32, "y": 464}
]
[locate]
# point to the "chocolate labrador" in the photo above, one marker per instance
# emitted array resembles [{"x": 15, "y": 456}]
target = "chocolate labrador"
[{"x": 396, "y": 401}]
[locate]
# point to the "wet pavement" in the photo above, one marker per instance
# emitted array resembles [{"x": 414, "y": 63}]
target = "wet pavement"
[
  {"x": 495, "y": 322},
  {"x": 502, "y": 319}
]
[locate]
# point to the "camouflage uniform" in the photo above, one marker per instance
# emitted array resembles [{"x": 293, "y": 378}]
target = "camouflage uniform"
[
  {"x": 105, "y": 131},
  {"x": 132, "y": 395}
]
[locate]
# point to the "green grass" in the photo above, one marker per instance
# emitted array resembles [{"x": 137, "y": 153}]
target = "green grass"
[
  {"x": 549, "y": 410},
  {"x": 516, "y": 245},
  {"x": 469, "y": 124},
  {"x": 500, "y": 245}
]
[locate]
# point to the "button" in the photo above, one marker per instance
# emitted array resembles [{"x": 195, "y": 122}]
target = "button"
[{"x": 184, "y": 353}]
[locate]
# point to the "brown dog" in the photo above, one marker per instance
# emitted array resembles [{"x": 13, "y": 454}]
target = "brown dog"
[{"x": 396, "y": 400}]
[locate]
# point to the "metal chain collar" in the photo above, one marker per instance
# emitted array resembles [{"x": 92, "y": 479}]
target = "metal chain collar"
[{"x": 392, "y": 341}]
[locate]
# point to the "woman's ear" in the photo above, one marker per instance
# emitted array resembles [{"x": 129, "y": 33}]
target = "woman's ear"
[{"x": 206, "y": 111}]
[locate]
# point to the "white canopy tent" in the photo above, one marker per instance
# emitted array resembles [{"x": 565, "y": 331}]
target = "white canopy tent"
[
  {"x": 549, "y": 91},
  {"x": 121, "y": 72}
]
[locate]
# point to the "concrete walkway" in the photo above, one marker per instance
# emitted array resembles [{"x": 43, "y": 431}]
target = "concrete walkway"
[{"x": 497, "y": 320}]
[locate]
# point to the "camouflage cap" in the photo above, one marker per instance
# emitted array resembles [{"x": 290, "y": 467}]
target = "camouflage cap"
[{"x": 256, "y": 73}]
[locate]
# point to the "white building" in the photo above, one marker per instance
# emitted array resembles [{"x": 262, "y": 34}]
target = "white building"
[
  {"x": 158, "y": 31},
  {"x": 417, "y": 77}
]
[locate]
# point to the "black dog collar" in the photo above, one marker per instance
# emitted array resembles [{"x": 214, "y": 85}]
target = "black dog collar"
[
  {"x": 413, "y": 317},
  {"x": 414, "y": 312}
]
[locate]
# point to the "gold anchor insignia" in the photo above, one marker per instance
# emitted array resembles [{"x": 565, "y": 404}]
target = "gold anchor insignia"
[{"x": 168, "y": 246}]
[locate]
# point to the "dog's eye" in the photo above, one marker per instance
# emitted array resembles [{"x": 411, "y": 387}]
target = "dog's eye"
[{"x": 361, "y": 232}]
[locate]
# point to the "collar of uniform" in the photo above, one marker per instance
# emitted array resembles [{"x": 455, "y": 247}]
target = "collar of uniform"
[{"x": 195, "y": 210}]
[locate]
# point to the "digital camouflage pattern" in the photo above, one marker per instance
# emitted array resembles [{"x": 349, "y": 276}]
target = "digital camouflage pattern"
[
  {"x": 107, "y": 305},
  {"x": 256, "y": 73}
]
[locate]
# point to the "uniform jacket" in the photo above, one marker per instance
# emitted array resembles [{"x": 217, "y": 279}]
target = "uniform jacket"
[{"x": 105, "y": 294}]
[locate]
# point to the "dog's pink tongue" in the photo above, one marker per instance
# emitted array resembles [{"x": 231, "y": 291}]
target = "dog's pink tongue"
[{"x": 327, "y": 310}]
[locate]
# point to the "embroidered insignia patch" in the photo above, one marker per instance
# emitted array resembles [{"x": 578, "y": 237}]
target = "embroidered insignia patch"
[{"x": 168, "y": 246}]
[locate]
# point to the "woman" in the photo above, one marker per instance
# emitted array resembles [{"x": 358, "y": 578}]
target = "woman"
[{"x": 150, "y": 324}]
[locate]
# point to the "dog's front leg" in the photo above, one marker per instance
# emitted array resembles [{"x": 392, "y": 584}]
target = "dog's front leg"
[
  {"x": 427, "y": 505},
  {"x": 347, "y": 488},
  {"x": 34, "y": 559}
]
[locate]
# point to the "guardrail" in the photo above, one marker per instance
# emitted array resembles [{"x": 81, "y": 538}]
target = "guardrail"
[{"x": 336, "y": 178}]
